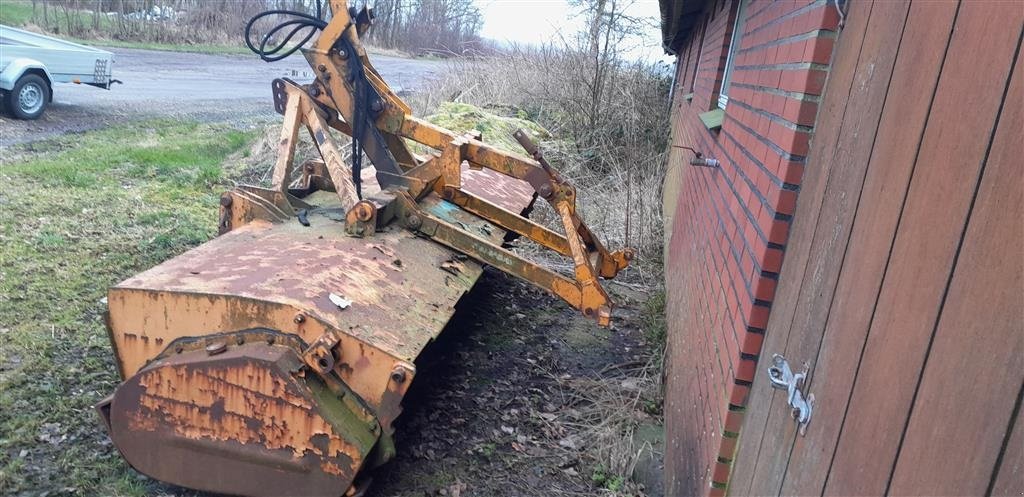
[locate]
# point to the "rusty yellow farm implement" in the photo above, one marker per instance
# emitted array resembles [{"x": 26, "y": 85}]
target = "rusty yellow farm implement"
[{"x": 272, "y": 360}]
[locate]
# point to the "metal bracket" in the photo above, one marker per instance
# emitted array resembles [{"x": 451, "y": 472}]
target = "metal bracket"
[
  {"x": 320, "y": 354},
  {"x": 781, "y": 377}
]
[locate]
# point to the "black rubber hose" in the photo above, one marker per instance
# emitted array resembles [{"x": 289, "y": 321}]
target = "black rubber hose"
[
  {"x": 362, "y": 93},
  {"x": 271, "y": 54},
  {"x": 300, "y": 21}
]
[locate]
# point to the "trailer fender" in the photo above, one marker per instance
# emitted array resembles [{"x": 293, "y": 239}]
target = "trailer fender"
[{"x": 10, "y": 75}]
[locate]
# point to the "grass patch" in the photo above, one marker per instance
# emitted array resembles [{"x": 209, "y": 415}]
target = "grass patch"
[
  {"x": 78, "y": 214},
  {"x": 203, "y": 48},
  {"x": 15, "y": 12},
  {"x": 18, "y": 13},
  {"x": 655, "y": 328}
]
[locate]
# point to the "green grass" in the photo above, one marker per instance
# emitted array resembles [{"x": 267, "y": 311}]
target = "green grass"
[
  {"x": 78, "y": 214},
  {"x": 166, "y": 47},
  {"x": 606, "y": 480},
  {"x": 18, "y": 13},
  {"x": 655, "y": 328},
  {"x": 15, "y": 12}
]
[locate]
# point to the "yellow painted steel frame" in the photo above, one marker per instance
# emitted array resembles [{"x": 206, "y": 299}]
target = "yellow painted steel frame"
[{"x": 317, "y": 106}]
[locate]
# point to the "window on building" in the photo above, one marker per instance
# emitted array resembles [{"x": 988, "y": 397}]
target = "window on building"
[
  {"x": 730, "y": 61},
  {"x": 700, "y": 53}
]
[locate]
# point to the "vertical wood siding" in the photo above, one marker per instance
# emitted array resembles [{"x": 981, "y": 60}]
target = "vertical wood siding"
[{"x": 904, "y": 273}]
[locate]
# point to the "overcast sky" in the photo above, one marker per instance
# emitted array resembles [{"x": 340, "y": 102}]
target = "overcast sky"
[{"x": 537, "y": 21}]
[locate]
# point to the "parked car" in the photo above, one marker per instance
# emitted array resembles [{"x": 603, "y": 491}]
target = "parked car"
[{"x": 30, "y": 64}]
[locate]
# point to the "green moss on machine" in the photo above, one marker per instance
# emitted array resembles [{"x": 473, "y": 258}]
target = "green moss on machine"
[{"x": 495, "y": 129}]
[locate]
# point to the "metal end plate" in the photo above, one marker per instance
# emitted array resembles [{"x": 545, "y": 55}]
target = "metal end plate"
[{"x": 244, "y": 421}]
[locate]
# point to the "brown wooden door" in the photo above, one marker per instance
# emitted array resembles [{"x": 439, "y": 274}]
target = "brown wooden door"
[{"x": 903, "y": 285}]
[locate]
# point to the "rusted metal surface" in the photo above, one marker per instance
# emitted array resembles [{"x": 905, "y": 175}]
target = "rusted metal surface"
[
  {"x": 273, "y": 359},
  {"x": 242, "y": 420},
  {"x": 391, "y": 279},
  {"x": 495, "y": 174},
  {"x": 280, "y": 276}
]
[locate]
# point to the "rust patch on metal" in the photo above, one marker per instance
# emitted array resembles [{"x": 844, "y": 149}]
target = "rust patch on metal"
[
  {"x": 506, "y": 192},
  {"x": 247, "y": 411}
]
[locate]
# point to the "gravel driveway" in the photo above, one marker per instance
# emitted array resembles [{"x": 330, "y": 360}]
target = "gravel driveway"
[{"x": 185, "y": 85}]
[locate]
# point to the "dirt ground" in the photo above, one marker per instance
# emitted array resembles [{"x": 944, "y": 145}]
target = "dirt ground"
[{"x": 495, "y": 411}]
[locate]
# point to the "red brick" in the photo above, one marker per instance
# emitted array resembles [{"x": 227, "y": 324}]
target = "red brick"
[
  {"x": 779, "y": 232},
  {"x": 765, "y": 289},
  {"x": 800, "y": 112},
  {"x": 787, "y": 202},
  {"x": 733, "y": 421},
  {"x": 751, "y": 343},
  {"x": 772, "y": 260},
  {"x": 746, "y": 370},
  {"x": 721, "y": 472},
  {"x": 826, "y": 18},
  {"x": 809, "y": 81},
  {"x": 727, "y": 448},
  {"x": 793, "y": 172},
  {"x": 818, "y": 50},
  {"x": 758, "y": 317},
  {"x": 724, "y": 220}
]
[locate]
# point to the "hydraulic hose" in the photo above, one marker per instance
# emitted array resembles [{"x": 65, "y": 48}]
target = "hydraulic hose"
[{"x": 300, "y": 21}]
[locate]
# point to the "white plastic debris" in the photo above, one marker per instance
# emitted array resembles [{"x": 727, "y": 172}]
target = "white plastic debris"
[{"x": 339, "y": 301}]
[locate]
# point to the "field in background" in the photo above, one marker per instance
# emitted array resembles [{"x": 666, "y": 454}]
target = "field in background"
[
  {"x": 213, "y": 28},
  {"x": 19, "y": 14}
]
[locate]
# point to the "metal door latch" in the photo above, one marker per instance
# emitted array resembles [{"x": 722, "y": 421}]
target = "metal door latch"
[{"x": 782, "y": 377}]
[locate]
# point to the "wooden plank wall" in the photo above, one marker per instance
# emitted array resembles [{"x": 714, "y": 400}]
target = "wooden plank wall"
[{"x": 902, "y": 286}]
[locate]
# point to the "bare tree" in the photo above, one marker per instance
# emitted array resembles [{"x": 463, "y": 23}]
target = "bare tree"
[{"x": 441, "y": 26}]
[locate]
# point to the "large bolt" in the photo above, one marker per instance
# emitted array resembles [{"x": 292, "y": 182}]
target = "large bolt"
[
  {"x": 321, "y": 68},
  {"x": 324, "y": 363},
  {"x": 364, "y": 212},
  {"x": 226, "y": 200},
  {"x": 545, "y": 190},
  {"x": 376, "y": 106},
  {"x": 343, "y": 54},
  {"x": 398, "y": 375},
  {"x": 216, "y": 347},
  {"x": 413, "y": 221},
  {"x": 299, "y": 318}
]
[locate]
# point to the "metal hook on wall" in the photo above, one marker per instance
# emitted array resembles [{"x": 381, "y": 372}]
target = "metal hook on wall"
[{"x": 698, "y": 158}]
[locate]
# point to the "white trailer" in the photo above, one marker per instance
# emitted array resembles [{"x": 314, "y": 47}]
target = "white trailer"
[{"x": 30, "y": 64}]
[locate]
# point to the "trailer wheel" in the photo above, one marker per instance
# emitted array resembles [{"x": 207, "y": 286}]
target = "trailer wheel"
[{"x": 27, "y": 100}]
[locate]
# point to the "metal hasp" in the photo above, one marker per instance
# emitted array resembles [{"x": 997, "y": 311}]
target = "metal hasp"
[
  {"x": 273, "y": 359},
  {"x": 781, "y": 377}
]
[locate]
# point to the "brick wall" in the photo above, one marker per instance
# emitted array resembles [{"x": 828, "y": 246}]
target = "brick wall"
[{"x": 726, "y": 228}]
